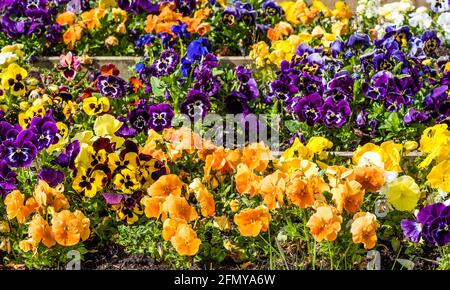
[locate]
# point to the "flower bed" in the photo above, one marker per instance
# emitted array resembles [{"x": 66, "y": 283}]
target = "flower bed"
[{"x": 328, "y": 144}]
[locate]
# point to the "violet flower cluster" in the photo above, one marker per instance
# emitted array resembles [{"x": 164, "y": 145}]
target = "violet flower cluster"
[{"x": 432, "y": 225}]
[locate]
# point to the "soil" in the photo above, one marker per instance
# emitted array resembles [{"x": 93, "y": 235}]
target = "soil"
[{"x": 113, "y": 257}]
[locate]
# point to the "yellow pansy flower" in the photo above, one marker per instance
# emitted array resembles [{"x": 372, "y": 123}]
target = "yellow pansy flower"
[
  {"x": 341, "y": 10},
  {"x": 63, "y": 132},
  {"x": 88, "y": 182},
  {"x": 130, "y": 161},
  {"x": 17, "y": 49},
  {"x": 439, "y": 177},
  {"x": 392, "y": 155},
  {"x": 368, "y": 147},
  {"x": 107, "y": 3},
  {"x": 13, "y": 79},
  {"x": 317, "y": 145},
  {"x": 403, "y": 193},
  {"x": 297, "y": 149},
  {"x": 94, "y": 106},
  {"x": 126, "y": 181},
  {"x": 106, "y": 126},
  {"x": 410, "y": 146},
  {"x": 85, "y": 137}
]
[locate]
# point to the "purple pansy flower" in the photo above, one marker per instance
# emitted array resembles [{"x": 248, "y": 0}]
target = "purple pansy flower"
[
  {"x": 51, "y": 176},
  {"x": 309, "y": 109},
  {"x": 186, "y": 7},
  {"x": 167, "y": 62},
  {"x": 112, "y": 86},
  {"x": 361, "y": 118},
  {"x": 272, "y": 8},
  {"x": 335, "y": 113},
  {"x": 68, "y": 156},
  {"x": 45, "y": 131},
  {"x": 414, "y": 116},
  {"x": 20, "y": 152},
  {"x": 206, "y": 82},
  {"x": 181, "y": 31},
  {"x": 236, "y": 103},
  {"x": 7, "y": 179},
  {"x": 196, "y": 105},
  {"x": 160, "y": 116},
  {"x": 433, "y": 225},
  {"x": 139, "y": 118}
]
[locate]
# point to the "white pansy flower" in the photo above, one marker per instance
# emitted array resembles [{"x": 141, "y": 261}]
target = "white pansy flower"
[
  {"x": 444, "y": 23},
  {"x": 420, "y": 18},
  {"x": 439, "y": 5},
  {"x": 7, "y": 58},
  {"x": 371, "y": 158}
]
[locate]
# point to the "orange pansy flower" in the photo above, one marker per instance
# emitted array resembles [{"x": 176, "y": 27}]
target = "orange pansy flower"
[
  {"x": 371, "y": 178},
  {"x": 203, "y": 28},
  {"x": 251, "y": 221},
  {"x": 272, "y": 189},
  {"x": 153, "y": 206},
  {"x": 170, "y": 227},
  {"x": 91, "y": 19},
  {"x": 68, "y": 228},
  {"x": 348, "y": 196},
  {"x": 15, "y": 207},
  {"x": 66, "y": 18},
  {"x": 178, "y": 207},
  {"x": 39, "y": 230},
  {"x": 72, "y": 35},
  {"x": 166, "y": 185},
  {"x": 325, "y": 223},
  {"x": 297, "y": 191},
  {"x": 204, "y": 197},
  {"x": 335, "y": 174},
  {"x": 48, "y": 196},
  {"x": 247, "y": 182},
  {"x": 256, "y": 156},
  {"x": 185, "y": 241},
  {"x": 364, "y": 227}
]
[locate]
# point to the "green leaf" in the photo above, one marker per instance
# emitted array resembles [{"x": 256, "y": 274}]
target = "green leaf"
[
  {"x": 408, "y": 264},
  {"x": 292, "y": 125},
  {"x": 158, "y": 86}
]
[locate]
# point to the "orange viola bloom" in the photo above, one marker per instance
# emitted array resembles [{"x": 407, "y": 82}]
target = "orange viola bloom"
[
  {"x": 297, "y": 191},
  {"x": 40, "y": 231},
  {"x": 153, "y": 206},
  {"x": 204, "y": 197},
  {"x": 251, "y": 221},
  {"x": 280, "y": 30},
  {"x": 272, "y": 189},
  {"x": 178, "y": 207},
  {"x": 185, "y": 241},
  {"x": 325, "y": 223},
  {"x": 48, "y": 196},
  {"x": 316, "y": 186},
  {"x": 203, "y": 28},
  {"x": 256, "y": 156},
  {"x": 170, "y": 227},
  {"x": 247, "y": 182},
  {"x": 364, "y": 227},
  {"x": 166, "y": 185},
  {"x": 68, "y": 228},
  {"x": 91, "y": 19},
  {"x": 335, "y": 174},
  {"x": 348, "y": 196},
  {"x": 15, "y": 207},
  {"x": 371, "y": 178},
  {"x": 72, "y": 35},
  {"x": 203, "y": 13},
  {"x": 66, "y": 18}
]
